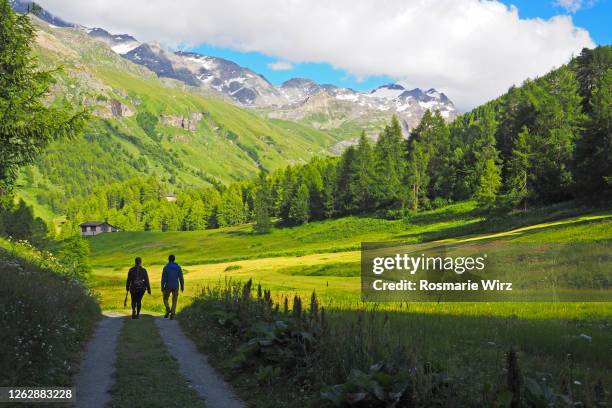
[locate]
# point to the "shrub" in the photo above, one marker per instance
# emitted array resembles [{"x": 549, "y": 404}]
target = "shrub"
[{"x": 45, "y": 316}]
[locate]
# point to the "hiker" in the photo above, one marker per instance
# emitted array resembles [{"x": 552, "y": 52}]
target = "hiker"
[
  {"x": 171, "y": 276},
  {"x": 137, "y": 282}
]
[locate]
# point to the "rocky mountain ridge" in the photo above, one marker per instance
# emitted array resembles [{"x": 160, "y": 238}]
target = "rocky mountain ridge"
[{"x": 323, "y": 106}]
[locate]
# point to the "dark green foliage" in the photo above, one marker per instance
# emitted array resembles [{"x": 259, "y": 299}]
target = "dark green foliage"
[
  {"x": 490, "y": 182},
  {"x": 47, "y": 315},
  {"x": 299, "y": 212},
  {"x": 141, "y": 205},
  {"x": 27, "y": 124},
  {"x": 594, "y": 148},
  {"x": 74, "y": 255},
  {"x": 18, "y": 222},
  {"x": 231, "y": 208},
  {"x": 147, "y": 121},
  {"x": 389, "y": 167},
  {"x": 517, "y": 181},
  {"x": 263, "y": 223},
  {"x": 590, "y": 67}
]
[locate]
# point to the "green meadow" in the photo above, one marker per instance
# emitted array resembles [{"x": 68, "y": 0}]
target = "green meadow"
[
  {"x": 556, "y": 340},
  {"x": 324, "y": 256}
]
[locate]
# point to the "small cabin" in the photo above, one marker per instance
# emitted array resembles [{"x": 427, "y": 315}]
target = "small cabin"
[{"x": 91, "y": 228}]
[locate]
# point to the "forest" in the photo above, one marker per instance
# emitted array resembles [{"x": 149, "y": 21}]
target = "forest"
[{"x": 547, "y": 141}]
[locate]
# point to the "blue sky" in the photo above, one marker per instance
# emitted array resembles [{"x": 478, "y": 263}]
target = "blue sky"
[{"x": 594, "y": 16}]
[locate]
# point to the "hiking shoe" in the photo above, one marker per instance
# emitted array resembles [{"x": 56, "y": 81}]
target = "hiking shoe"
[{"x": 167, "y": 314}]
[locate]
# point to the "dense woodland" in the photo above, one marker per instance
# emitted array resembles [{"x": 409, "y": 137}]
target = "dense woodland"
[{"x": 547, "y": 141}]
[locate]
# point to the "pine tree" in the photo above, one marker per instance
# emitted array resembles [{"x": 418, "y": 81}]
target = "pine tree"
[
  {"x": 518, "y": 171},
  {"x": 418, "y": 178},
  {"x": 311, "y": 176},
  {"x": 364, "y": 177},
  {"x": 328, "y": 176},
  {"x": 231, "y": 207},
  {"x": 555, "y": 127},
  {"x": 263, "y": 223},
  {"x": 490, "y": 183},
  {"x": 590, "y": 67},
  {"x": 346, "y": 175},
  {"x": 594, "y": 149},
  {"x": 298, "y": 213},
  {"x": 288, "y": 188},
  {"x": 196, "y": 216},
  {"x": 27, "y": 124},
  {"x": 390, "y": 167}
]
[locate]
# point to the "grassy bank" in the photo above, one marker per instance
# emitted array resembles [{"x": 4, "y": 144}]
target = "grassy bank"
[
  {"x": 146, "y": 374},
  {"x": 333, "y": 356},
  {"x": 45, "y": 317}
]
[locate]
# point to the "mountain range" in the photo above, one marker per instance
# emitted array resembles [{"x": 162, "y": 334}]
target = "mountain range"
[
  {"x": 189, "y": 119},
  {"x": 296, "y": 99}
]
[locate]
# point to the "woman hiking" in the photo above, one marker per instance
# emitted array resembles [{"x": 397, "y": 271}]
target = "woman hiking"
[{"x": 137, "y": 282}]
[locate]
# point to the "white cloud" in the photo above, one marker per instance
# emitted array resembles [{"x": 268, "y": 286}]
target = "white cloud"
[
  {"x": 280, "y": 66},
  {"x": 572, "y": 6},
  {"x": 471, "y": 49}
]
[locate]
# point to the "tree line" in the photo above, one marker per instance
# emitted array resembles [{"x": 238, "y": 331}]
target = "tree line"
[{"x": 546, "y": 141}]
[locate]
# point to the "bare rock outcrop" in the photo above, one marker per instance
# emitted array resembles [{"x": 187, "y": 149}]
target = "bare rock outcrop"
[{"x": 184, "y": 122}]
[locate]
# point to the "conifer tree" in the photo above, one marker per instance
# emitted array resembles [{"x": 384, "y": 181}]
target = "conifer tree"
[
  {"x": 231, "y": 207},
  {"x": 364, "y": 177},
  {"x": 518, "y": 171},
  {"x": 27, "y": 124},
  {"x": 298, "y": 212},
  {"x": 346, "y": 182},
  {"x": 490, "y": 182},
  {"x": 263, "y": 223},
  {"x": 594, "y": 149},
  {"x": 328, "y": 177},
  {"x": 390, "y": 166}
]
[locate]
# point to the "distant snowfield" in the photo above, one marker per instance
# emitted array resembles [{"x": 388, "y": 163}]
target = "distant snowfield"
[{"x": 124, "y": 48}]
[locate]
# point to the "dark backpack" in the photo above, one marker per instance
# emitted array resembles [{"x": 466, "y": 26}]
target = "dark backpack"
[{"x": 138, "y": 282}]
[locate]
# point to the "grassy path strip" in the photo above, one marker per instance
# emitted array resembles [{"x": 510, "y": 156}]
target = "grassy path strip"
[
  {"x": 146, "y": 374},
  {"x": 95, "y": 377},
  {"x": 194, "y": 367}
]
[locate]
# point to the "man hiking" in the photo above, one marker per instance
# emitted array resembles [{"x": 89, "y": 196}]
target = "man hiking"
[
  {"x": 171, "y": 276},
  {"x": 137, "y": 282}
]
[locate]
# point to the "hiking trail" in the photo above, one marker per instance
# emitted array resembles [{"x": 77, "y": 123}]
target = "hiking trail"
[
  {"x": 195, "y": 368},
  {"x": 95, "y": 377}
]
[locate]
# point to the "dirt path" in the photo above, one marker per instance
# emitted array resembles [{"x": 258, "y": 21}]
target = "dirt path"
[
  {"x": 193, "y": 365},
  {"x": 95, "y": 376}
]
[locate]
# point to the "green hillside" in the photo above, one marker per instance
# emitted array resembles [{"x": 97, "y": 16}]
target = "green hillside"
[{"x": 145, "y": 126}]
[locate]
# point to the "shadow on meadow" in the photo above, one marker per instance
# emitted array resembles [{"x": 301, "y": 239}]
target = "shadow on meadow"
[{"x": 382, "y": 354}]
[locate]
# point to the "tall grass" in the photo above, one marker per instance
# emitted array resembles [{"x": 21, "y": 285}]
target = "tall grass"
[
  {"x": 46, "y": 314},
  {"x": 299, "y": 352}
]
